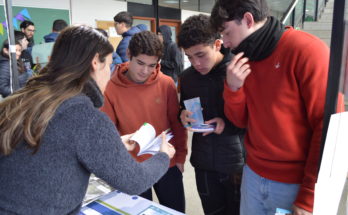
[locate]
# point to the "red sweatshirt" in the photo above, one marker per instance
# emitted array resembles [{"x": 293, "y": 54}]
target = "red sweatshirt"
[
  {"x": 282, "y": 106},
  {"x": 129, "y": 105}
]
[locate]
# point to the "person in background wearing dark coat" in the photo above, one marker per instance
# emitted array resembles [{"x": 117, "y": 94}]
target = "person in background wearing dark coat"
[
  {"x": 5, "y": 76},
  {"x": 58, "y": 26},
  {"x": 123, "y": 24},
  {"x": 217, "y": 157},
  {"x": 53, "y": 136},
  {"x": 172, "y": 60}
]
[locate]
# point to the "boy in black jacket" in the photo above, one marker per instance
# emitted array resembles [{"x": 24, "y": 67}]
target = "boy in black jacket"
[{"x": 218, "y": 157}]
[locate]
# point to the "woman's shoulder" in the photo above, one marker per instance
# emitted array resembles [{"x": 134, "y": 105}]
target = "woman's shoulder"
[
  {"x": 79, "y": 106},
  {"x": 82, "y": 109}
]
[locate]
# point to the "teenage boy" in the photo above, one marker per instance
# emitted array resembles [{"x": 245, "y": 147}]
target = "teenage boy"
[
  {"x": 217, "y": 157},
  {"x": 138, "y": 92},
  {"x": 275, "y": 87}
]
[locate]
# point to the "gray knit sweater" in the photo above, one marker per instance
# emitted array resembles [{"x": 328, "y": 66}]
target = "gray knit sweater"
[{"x": 79, "y": 140}]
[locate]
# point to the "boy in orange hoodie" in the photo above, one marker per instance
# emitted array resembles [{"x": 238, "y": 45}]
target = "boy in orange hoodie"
[{"x": 139, "y": 92}]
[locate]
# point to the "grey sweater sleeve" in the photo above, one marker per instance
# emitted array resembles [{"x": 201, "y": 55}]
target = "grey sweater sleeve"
[{"x": 105, "y": 155}]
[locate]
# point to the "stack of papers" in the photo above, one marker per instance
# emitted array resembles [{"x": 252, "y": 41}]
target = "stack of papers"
[
  {"x": 96, "y": 188},
  {"x": 118, "y": 203}
]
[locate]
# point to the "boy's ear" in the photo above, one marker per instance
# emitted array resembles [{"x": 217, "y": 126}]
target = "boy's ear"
[
  {"x": 249, "y": 19},
  {"x": 218, "y": 44}
]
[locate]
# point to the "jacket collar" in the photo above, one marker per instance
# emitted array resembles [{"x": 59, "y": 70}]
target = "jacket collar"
[{"x": 92, "y": 91}]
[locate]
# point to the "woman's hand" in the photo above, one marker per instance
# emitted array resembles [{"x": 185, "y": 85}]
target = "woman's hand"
[
  {"x": 167, "y": 147},
  {"x": 129, "y": 144}
]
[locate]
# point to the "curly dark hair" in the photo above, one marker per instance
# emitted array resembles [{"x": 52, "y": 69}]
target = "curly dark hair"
[
  {"x": 228, "y": 10},
  {"x": 196, "y": 30},
  {"x": 147, "y": 43},
  {"x": 124, "y": 17}
]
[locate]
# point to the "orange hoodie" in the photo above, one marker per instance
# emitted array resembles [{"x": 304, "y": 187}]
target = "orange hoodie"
[
  {"x": 282, "y": 106},
  {"x": 129, "y": 105}
]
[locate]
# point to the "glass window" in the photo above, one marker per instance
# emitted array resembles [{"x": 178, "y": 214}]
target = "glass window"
[
  {"x": 173, "y": 29},
  {"x": 310, "y": 10},
  {"x": 141, "y": 21},
  {"x": 169, "y": 3},
  {"x": 299, "y": 14},
  {"x": 141, "y": 1},
  {"x": 278, "y": 7},
  {"x": 189, "y": 5},
  {"x": 206, "y": 5}
]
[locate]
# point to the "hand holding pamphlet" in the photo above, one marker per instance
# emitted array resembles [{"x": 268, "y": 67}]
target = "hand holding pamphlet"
[
  {"x": 194, "y": 105},
  {"x": 147, "y": 140}
]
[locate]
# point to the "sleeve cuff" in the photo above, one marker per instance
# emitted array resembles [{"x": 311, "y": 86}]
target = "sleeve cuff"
[
  {"x": 235, "y": 96},
  {"x": 305, "y": 199}
]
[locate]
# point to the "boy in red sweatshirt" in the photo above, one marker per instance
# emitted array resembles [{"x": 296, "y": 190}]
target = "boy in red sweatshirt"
[
  {"x": 275, "y": 87},
  {"x": 139, "y": 92}
]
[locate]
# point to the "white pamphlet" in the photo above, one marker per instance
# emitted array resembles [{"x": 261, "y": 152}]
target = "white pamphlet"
[{"x": 147, "y": 140}]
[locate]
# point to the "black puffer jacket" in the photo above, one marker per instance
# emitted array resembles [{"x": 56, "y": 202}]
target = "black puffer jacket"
[
  {"x": 172, "y": 60},
  {"x": 222, "y": 153},
  {"x": 5, "y": 83}
]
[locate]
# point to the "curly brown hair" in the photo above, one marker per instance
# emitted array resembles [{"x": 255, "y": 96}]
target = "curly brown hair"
[{"x": 147, "y": 43}]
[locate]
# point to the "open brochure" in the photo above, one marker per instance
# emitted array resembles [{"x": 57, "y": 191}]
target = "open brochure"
[{"x": 147, "y": 140}]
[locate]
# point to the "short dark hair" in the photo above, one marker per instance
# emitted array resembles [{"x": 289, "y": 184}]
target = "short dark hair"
[
  {"x": 19, "y": 35},
  {"x": 59, "y": 25},
  {"x": 147, "y": 43},
  {"x": 196, "y": 30},
  {"x": 228, "y": 10},
  {"x": 26, "y": 23},
  {"x": 125, "y": 17}
]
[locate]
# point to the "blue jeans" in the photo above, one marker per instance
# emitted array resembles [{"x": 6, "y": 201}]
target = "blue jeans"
[{"x": 262, "y": 196}]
